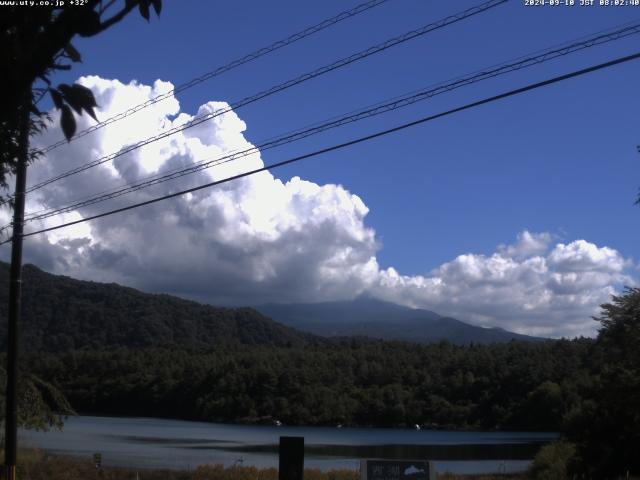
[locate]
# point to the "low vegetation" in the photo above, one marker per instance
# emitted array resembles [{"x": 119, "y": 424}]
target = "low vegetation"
[
  {"x": 553, "y": 462},
  {"x": 35, "y": 465}
]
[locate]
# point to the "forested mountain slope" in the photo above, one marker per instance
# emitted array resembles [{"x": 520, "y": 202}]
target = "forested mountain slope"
[{"x": 60, "y": 313}]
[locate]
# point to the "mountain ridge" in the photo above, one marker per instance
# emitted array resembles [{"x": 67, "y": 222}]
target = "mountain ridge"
[
  {"x": 375, "y": 318},
  {"x": 61, "y": 313}
]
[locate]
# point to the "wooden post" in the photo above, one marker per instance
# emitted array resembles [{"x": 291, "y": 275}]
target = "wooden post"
[
  {"x": 291, "y": 464},
  {"x": 15, "y": 292}
]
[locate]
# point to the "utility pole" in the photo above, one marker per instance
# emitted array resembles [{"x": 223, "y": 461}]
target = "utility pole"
[{"x": 15, "y": 290}]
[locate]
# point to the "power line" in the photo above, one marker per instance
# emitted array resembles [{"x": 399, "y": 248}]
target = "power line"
[
  {"x": 288, "y": 84},
  {"x": 225, "y": 68},
  {"x": 356, "y": 141},
  {"x": 280, "y": 87},
  {"x": 399, "y": 102}
]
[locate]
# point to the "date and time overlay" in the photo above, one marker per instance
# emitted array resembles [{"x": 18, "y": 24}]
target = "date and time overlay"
[
  {"x": 526, "y": 3},
  {"x": 581, "y": 3}
]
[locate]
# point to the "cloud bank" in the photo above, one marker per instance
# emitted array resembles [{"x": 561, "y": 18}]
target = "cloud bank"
[{"x": 259, "y": 239}]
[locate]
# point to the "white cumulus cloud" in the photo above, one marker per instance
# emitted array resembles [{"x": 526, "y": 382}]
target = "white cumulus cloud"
[
  {"x": 259, "y": 239},
  {"x": 549, "y": 292},
  {"x": 527, "y": 244}
]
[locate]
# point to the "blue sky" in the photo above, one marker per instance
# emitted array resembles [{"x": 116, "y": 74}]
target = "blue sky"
[{"x": 560, "y": 161}]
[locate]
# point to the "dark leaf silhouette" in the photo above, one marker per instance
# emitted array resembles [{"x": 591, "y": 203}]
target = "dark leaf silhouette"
[
  {"x": 79, "y": 98},
  {"x": 72, "y": 53},
  {"x": 157, "y": 6},
  {"x": 64, "y": 89},
  {"x": 56, "y": 97},
  {"x": 49, "y": 34},
  {"x": 144, "y": 9},
  {"x": 67, "y": 122},
  {"x": 70, "y": 98},
  {"x": 91, "y": 113},
  {"x": 83, "y": 95},
  {"x": 90, "y": 24}
]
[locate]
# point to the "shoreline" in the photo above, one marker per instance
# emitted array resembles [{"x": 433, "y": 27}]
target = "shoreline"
[
  {"x": 34, "y": 464},
  {"x": 175, "y": 444},
  {"x": 431, "y": 427}
]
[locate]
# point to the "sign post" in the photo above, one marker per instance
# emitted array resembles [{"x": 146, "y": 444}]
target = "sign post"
[
  {"x": 396, "y": 470},
  {"x": 291, "y": 464}
]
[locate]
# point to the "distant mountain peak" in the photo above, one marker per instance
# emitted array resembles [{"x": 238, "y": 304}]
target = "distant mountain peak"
[
  {"x": 367, "y": 315},
  {"x": 62, "y": 313}
]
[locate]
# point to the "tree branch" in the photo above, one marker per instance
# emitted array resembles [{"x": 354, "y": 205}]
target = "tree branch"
[
  {"x": 116, "y": 18},
  {"x": 106, "y": 7}
]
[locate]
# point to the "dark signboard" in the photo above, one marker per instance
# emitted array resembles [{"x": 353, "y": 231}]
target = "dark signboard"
[
  {"x": 291, "y": 458},
  {"x": 395, "y": 470}
]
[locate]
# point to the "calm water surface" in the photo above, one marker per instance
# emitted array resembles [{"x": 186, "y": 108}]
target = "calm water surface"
[{"x": 151, "y": 443}]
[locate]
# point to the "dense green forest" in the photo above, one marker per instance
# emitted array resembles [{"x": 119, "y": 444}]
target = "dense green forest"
[
  {"x": 352, "y": 382},
  {"x": 114, "y": 350},
  {"x": 589, "y": 390}
]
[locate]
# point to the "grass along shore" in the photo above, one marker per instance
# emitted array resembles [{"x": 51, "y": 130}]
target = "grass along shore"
[{"x": 37, "y": 465}]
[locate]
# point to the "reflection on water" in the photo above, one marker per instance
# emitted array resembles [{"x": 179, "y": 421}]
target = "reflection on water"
[
  {"x": 144, "y": 442},
  {"x": 524, "y": 451}
]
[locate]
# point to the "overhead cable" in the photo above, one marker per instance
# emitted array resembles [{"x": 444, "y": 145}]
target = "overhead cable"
[
  {"x": 280, "y": 87},
  {"x": 225, "y": 68},
  {"x": 396, "y": 103},
  {"x": 350, "y": 143}
]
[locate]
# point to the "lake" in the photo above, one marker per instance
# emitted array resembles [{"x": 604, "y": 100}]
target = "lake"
[{"x": 160, "y": 443}]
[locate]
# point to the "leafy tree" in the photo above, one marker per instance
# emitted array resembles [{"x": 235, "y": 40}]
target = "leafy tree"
[
  {"x": 552, "y": 461},
  {"x": 543, "y": 407},
  {"x": 41, "y": 405},
  {"x": 606, "y": 426},
  {"x": 36, "y": 42}
]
